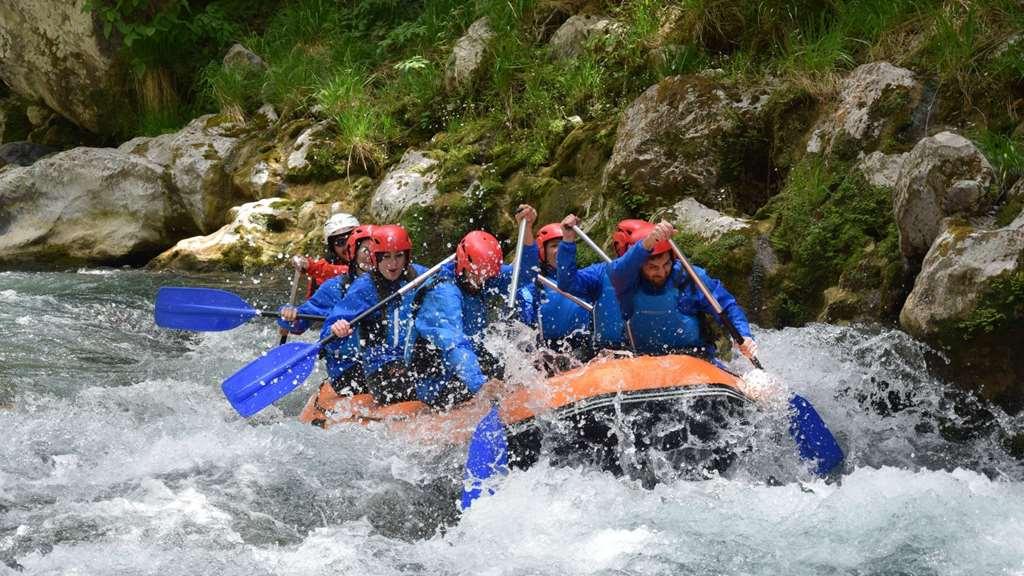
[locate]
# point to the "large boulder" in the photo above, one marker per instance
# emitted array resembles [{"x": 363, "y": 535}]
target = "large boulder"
[
  {"x": 54, "y": 51},
  {"x": 882, "y": 170},
  {"x": 695, "y": 218},
  {"x": 260, "y": 234},
  {"x": 195, "y": 159},
  {"x": 876, "y": 104},
  {"x": 943, "y": 175},
  {"x": 968, "y": 301},
  {"x": 698, "y": 137},
  {"x": 960, "y": 264},
  {"x": 574, "y": 34},
  {"x": 413, "y": 182},
  {"x": 468, "y": 56},
  {"x": 88, "y": 205}
]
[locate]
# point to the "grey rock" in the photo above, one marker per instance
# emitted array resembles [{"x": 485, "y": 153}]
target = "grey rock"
[
  {"x": 412, "y": 182},
  {"x": 943, "y": 175},
  {"x": 956, "y": 271},
  {"x": 572, "y": 36},
  {"x": 92, "y": 205},
  {"x": 873, "y": 98},
  {"x": 882, "y": 170},
  {"x": 54, "y": 51},
  {"x": 195, "y": 159},
  {"x": 468, "y": 55},
  {"x": 241, "y": 57},
  {"x": 668, "y": 141},
  {"x": 695, "y": 218}
]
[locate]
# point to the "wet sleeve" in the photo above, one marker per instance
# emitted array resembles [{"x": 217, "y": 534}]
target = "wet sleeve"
[
  {"x": 361, "y": 296},
  {"x": 440, "y": 322},
  {"x": 730, "y": 308},
  {"x": 319, "y": 304},
  {"x": 585, "y": 283},
  {"x": 625, "y": 269},
  {"x": 528, "y": 301}
]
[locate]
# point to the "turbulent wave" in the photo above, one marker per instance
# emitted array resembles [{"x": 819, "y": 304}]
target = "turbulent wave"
[{"x": 120, "y": 456}]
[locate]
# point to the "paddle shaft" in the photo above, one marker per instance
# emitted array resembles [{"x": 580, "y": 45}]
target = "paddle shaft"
[
  {"x": 269, "y": 314},
  {"x": 516, "y": 265},
  {"x": 601, "y": 253},
  {"x": 412, "y": 285},
  {"x": 291, "y": 300},
  {"x": 712, "y": 300},
  {"x": 575, "y": 300}
]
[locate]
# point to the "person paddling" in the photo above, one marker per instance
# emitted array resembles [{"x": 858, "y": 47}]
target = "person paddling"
[
  {"x": 565, "y": 327},
  {"x": 335, "y": 261},
  {"x": 447, "y": 352},
  {"x": 384, "y": 334},
  {"x": 662, "y": 303},
  {"x": 593, "y": 283},
  {"x": 341, "y": 358}
]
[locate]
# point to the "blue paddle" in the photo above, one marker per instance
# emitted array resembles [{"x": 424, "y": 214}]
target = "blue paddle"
[
  {"x": 206, "y": 309},
  {"x": 487, "y": 456},
  {"x": 273, "y": 375}
]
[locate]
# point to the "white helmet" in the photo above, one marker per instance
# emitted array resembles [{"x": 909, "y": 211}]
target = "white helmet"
[{"x": 339, "y": 224}]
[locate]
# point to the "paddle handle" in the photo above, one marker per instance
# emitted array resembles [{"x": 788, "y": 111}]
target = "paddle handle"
[
  {"x": 583, "y": 236},
  {"x": 712, "y": 300},
  {"x": 586, "y": 239},
  {"x": 412, "y": 285},
  {"x": 575, "y": 300},
  {"x": 520, "y": 238},
  {"x": 291, "y": 300},
  {"x": 269, "y": 314}
]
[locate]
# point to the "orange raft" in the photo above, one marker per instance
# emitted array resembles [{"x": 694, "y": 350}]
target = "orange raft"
[{"x": 590, "y": 403}]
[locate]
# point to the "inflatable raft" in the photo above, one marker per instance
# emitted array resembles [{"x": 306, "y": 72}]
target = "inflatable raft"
[{"x": 682, "y": 406}]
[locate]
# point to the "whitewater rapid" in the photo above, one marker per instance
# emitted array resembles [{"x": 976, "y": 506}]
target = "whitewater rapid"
[{"x": 119, "y": 455}]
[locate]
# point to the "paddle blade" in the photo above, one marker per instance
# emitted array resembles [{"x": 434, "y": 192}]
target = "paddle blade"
[
  {"x": 270, "y": 377},
  {"x": 200, "y": 309},
  {"x": 813, "y": 437},
  {"x": 487, "y": 456}
]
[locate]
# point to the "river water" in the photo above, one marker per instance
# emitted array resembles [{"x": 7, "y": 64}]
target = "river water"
[{"x": 119, "y": 455}]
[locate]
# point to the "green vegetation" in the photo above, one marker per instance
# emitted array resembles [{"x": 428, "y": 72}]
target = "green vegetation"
[
  {"x": 374, "y": 68},
  {"x": 828, "y": 218},
  {"x": 999, "y": 306}
]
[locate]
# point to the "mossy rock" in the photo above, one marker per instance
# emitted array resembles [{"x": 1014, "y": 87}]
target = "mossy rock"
[
  {"x": 832, "y": 228},
  {"x": 584, "y": 152},
  {"x": 983, "y": 350}
]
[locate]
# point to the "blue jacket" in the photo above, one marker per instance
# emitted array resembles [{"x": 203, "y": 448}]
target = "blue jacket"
[
  {"x": 453, "y": 320},
  {"x": 382, "y": 336},
  {"x": 626, "y": 278},
  {"x": 593, "y": 284},
  {"x": 338, "y": 355}
]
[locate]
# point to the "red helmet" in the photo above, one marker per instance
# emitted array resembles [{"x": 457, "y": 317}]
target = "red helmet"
[
  {"x": 548, "y": 232},
  {"x": 479, "y": 251},
  {"x": 358, "y": 235},
  {"x": 629, "y": 232},
  {"x": 389, "y": 238}
]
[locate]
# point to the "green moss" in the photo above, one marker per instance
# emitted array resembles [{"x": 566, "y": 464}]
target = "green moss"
[
  {"x": 999, "y": 305},
  {"x": 827, "y": 219}
]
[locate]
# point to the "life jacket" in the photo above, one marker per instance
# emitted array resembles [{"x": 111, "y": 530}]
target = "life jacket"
[
  {"x": 609, "y": 327},
  {"x": 659, "y": 326},
  {"x": 384, "y": 334},
  {"x": 435, "y": 382},
  {"x": 558, "y": 317}
]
